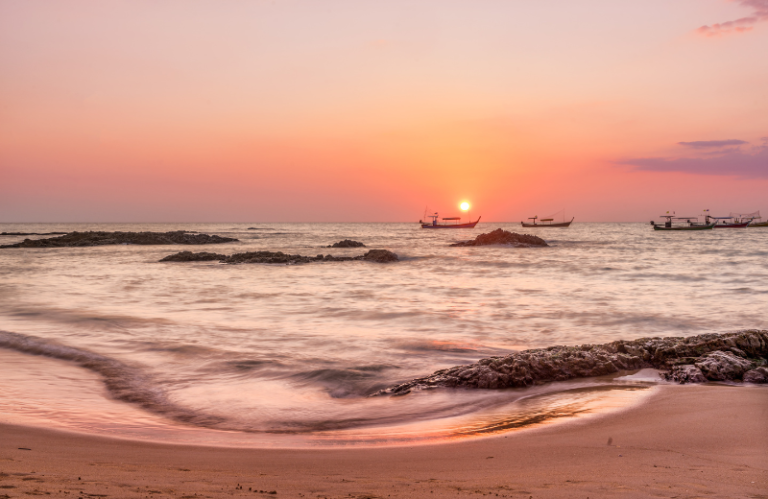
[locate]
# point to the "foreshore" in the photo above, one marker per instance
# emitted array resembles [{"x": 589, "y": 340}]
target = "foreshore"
[{"x": 683, "y": 441}]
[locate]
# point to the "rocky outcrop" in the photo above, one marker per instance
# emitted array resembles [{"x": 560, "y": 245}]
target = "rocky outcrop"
[
  {"x": 278, "y": 257},
  {"x": 31, "y": 233},
  {"x": 79, "y": 239},
  {"x": 347, "y": 243},
  {"x": 695, "y": 359},
  {"x": 188, "y": 256},
  {"x": 505, "y": 237}
]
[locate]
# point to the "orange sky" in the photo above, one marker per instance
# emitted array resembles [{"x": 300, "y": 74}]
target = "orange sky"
[{"x": 368, "y": 111}]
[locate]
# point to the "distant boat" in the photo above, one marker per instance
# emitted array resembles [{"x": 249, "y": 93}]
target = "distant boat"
[
  {"x": 723, "y": 222},
  {"x": 546, "y": 222},
  {"x": 754, "y": 219},
  {"x": 453, "y": 223},
  {"x": 681, "y": 223}
]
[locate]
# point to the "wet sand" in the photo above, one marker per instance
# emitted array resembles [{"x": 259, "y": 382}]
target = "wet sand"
[{"x": 684, "y": 441}]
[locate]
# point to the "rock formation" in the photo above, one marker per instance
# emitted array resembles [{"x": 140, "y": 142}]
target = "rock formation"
[
  {"x": 696, "y": 359},
  {"x": 379, "y": 256},
  {"x": 106, "y": 238},
  {"x": 505, "y": 237},
  {"x": 347, "y": 243}
]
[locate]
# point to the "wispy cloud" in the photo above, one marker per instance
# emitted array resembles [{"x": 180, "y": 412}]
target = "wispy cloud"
[
  {"x": 701, "y": 144},
  {"x": 741, "y": 25},
  {"x": 730, "y": 162}
]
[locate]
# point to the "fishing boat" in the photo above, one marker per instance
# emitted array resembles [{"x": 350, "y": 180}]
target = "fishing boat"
[
  {"x": 681, "y": 223},
  {"x": 546, "y": 222},
  {"x": 727, "y": 222},
  {"x": 754, "y": 219},
  {"x": 448, "y": 223}
]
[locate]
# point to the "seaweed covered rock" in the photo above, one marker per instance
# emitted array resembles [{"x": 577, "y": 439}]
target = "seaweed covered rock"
[
  {"x": 716, "y": 357},
  {"x": 347, "y": 243},
  {"x": 758, "y": 375},
  {"x": 278, "y": 257},
  {"x": 188, "y": 256},
  {"x": 505, "y": 237},
  {"x": 99, "y": 238},
  {"x": 380, "y": 256}
]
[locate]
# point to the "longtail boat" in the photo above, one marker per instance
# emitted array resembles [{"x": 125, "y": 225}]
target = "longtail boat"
[
  {"x": 723, "y": 222},
  {"x": 692, "y": 224},
  {"x": 452, "y": 223},
  {"x": 546, "y": 222}
]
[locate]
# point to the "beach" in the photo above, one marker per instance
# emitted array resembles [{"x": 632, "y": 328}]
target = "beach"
[{"x": 682, "y": 441}]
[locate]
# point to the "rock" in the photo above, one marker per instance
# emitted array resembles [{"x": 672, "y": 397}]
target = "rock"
[
  {"x": 380, "y": 256},
  {"x": 188, "y": 256},
  {"x": 80, "y": 239},
  {"x": 723, "y": 366},
  {"x": 758, "y": 375},
  {"x": 686, "y": 373},
  {"x": 558, "y": 363},
  {"x": 347, "y": 243},
  {"x": 500, "y": 236},
  {"x": 278, "y": 257}
]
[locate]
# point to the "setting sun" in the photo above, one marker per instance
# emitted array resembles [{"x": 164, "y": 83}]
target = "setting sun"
[{"x": 464, "y": 206}]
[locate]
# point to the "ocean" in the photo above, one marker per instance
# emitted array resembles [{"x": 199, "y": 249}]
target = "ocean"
[{"x": 107, "y": 340}]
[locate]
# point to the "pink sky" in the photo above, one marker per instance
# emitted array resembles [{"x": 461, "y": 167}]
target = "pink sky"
[{"x": 368, "y": 110}]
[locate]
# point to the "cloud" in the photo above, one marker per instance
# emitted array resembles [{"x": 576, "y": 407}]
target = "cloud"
[
  {"x": 700, "y": 144},
  {"x": 732, "y": 162},
  {"x": 741, "y": 25}
]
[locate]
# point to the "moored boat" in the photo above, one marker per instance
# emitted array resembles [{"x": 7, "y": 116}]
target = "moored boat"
[
  {"x": 546, "y": 222},
  {"x": 452, "y": 223},
  {"x": 727, "y": 222},
  {"x": 681, "y": 223},
  {"x": 754, "y": 219}
]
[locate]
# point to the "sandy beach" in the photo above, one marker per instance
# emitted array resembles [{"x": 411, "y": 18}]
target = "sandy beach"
[{"x": 684, "y": 441}]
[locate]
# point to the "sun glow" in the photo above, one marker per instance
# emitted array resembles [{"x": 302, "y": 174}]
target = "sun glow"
[{"x": 464, "y": 206}]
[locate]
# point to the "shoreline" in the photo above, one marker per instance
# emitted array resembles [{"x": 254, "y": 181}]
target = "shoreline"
[{"x": 703, "y": 440}]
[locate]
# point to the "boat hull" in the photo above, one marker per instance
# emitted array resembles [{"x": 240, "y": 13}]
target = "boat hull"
[
  {"x": 689, "y": 227},
  {"x": 761, "y": 224},
  {"x": 558, "y": 225},
  {"x": 732, "y": 226}
]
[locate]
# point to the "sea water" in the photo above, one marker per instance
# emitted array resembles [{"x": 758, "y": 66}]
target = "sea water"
[{"x": 109, "y": 340}]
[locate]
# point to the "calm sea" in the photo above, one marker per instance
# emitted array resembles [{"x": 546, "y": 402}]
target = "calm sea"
[{"x": 108, "y": 340}]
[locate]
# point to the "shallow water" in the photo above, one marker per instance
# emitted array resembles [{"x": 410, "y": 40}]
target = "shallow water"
[{"x": 283, "y": 354}]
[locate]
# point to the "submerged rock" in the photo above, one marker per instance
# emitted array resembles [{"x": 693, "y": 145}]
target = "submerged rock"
[
  {"x": 278, "y": 257},
  {"x": 505, "y": 237},
  {"x": 79, "y": 239},
  {"x": 710, "y": 355},
  {"x": 347, "y": 243},
  {"x": 188, "y": 256}
]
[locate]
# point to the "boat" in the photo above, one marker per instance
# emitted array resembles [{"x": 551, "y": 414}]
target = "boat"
[
  {"x": 727, "y": 222},
  {"x": 452, "y": 223},
  {"x": 546, "y": 222},
  {"x": 754, "y": 219},
  {"x": 683, "y": 223}
]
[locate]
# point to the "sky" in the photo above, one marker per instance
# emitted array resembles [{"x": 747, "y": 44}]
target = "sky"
[{"x": 359, "y": 110}]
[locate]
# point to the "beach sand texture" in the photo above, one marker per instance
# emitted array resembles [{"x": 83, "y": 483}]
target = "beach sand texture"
[{"x": 684, "y": 441}]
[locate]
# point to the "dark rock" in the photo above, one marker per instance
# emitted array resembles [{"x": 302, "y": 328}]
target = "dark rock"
[
  {"x": 500, "y": 236},
  {"x": 347, "y": 243},
  {"x": 685, "y": 373},
  {"x": 79, "y": 239},
  {"x": 723, "y": 366},
  {"x": 31, "y": 233},
  {"x": 758, "y": 375},
  {"x": 278, "y": 257},
  {"x": 705, "y": 352},
  {"x": 380, "y": 256},
  {"x": 188, "y": 256}
]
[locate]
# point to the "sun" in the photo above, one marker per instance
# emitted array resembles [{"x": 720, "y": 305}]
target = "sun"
[{"x": 464, "y": 206}]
